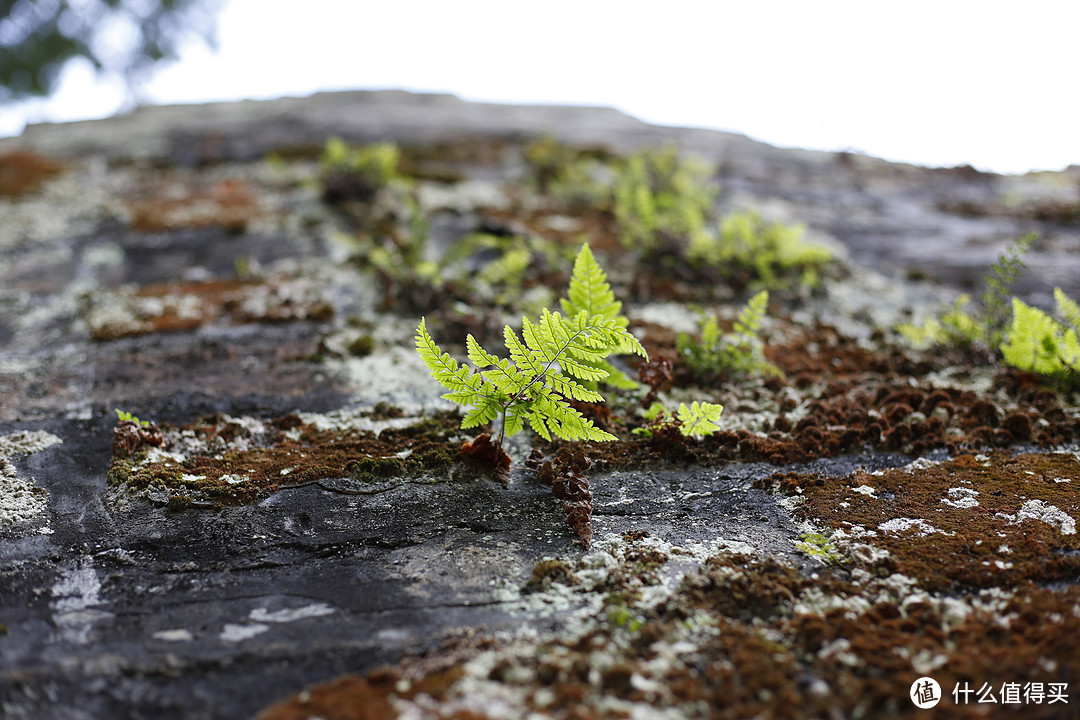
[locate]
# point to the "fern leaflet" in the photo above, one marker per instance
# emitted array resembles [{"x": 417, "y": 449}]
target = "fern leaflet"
[
  {"x": 699, "y": 419},
  {"x": 590, "y": 293}
]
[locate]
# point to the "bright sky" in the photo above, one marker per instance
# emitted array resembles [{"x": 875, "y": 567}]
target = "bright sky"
[{"x": 940, "y": 82}]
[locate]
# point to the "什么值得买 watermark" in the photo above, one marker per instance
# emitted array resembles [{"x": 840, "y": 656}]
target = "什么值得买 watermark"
[{"x": 926, "y": 693}]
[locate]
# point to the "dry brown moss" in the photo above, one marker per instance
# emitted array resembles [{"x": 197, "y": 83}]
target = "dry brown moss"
[
  {"x": 23, "y": 172},
  {"x": 219, "y": 460}
]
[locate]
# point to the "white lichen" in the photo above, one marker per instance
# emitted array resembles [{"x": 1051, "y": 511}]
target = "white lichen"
[
  {"x": 20, "y": 499},
  {"x": 960, "y": 497},
  {"x": 1040, "y": 510}
]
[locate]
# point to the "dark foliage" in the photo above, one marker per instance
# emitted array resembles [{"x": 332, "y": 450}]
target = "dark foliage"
[{"x": 38, "y": 38}]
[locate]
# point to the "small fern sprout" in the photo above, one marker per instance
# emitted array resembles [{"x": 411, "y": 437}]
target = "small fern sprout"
[
  {"x": 740, "y": 352},
  {"x": 986, "y": 322},
  {"x": 550, "y": 364},
  {"x": 125, "y": 417},
  {"x": 699, "y": 419},
  {"x": 131, "y": 433}
]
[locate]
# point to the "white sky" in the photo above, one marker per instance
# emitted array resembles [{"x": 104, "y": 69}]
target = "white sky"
[{"x": 945, "y": 82}]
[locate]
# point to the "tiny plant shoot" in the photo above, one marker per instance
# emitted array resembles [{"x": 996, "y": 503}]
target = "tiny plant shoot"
[
  {"x": 125, "y": 416},
  {"x": 697, "y": 420},
  {"x": 737, "y": 352},
  {"x": 554, "y": 360}
]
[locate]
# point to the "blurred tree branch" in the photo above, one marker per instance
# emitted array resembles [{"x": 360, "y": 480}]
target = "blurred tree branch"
[{"x": 121, "y": 37}]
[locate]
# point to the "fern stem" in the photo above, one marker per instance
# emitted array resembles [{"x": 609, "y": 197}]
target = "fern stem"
[
  {"x": 502, "y": 427},
  {"x": 539, "y": 378}
]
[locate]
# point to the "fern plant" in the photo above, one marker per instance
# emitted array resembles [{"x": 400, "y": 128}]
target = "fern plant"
[
  {"x": 548, "y": 365},
  {"x": 377, "y": 163},
  {"x": 1038, "y": 343},
  {"x": 957, "y": 327},
  {"x": 961, "y": 327},
  {"x": 738, "y": 352},
  {"x": 997, "y": 296},
  {"x": 771, "y": 252},
  {"x": 125, "y": 417},
  {"x": 697, "y": 420},
  {"x": 657, "y": 193}
]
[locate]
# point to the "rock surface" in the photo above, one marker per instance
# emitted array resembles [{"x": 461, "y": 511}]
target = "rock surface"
[{"x": 168, "y": 271}]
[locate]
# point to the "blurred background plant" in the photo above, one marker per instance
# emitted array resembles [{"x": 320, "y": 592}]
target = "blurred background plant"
[{"x": 662, "y": 204}]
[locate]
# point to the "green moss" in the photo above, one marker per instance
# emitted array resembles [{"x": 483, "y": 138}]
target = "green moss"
[
  {"x": 362, "y": 346},
  {"x": 375, "y": 468},
  {"x": 178, "y": 503},
  {"x": 820, "y": 547},
  {"x": 625, "y": 618}
]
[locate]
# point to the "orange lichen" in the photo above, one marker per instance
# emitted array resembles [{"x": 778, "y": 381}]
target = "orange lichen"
[
  {"x": 187, "y": 305},
  {"x": 229, "y": 204},
  {"x": 23, "y": 172}
]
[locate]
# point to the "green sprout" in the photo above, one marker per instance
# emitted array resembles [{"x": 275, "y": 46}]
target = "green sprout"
[
  {"x": 964, "y": 327},
  {"x": 770, "y": 251},
  {"x": 659, "y": 193},
  {"x": 698, "y": 420},
  {"x": 125, "y": 416},
  {"x": 739, "y": 352},
  {"x": 377, "y": 163},
  {"x": 1036, "y": 342}
]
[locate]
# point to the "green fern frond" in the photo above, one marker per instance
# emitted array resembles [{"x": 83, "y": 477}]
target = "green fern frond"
[
  {"x": 1067, "y": 308},
  {"x": 590, "y": 292},
  {"x": 699, "y": 419},
  {"x": 479, "y": 357},
  {"x": 485, "y": 410},
  {"x": 444, "y": 369},
  {"x": 550, "y": 364},
  {"x": 1038, "y": 343},
  {"x": 710, "y": 331},
  {"x": 750, "y": 317}
]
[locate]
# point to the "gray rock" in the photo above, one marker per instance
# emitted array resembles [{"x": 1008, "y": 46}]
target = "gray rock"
[{"x": 117, "y": 607}]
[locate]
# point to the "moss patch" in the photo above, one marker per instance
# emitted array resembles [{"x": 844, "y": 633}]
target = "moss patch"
[
  {"x": 965, "y": 525},
  {"x": 222, "y": 460},
  {"x": 743, "y": 636}
]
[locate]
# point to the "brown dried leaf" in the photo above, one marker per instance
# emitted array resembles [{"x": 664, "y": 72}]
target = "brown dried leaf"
[
  {"x": 483, "y": 452},
  {"x": 566, "y": 476}
]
